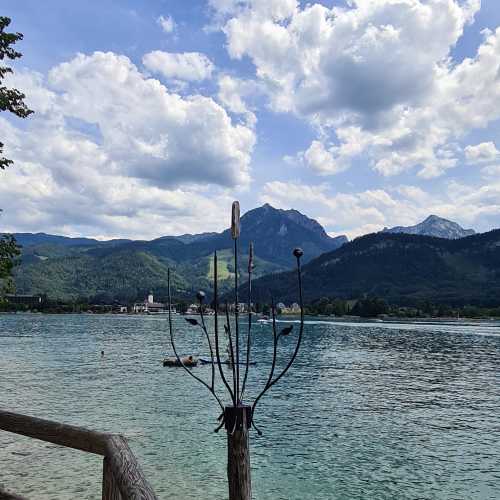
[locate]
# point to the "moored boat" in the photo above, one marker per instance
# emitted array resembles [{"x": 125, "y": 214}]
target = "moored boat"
[{"x": 184, "y": 360}]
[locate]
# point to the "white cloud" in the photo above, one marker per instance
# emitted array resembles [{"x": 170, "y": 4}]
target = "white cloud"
[
  {"x": 154, "y": 134},
  {"x": 333, "y": 159},
  {"x": 382, "y": 68},
  {"x": 482, "y": 153},
  {"x": 232, "y": 93},
  {"x": 167, "y": 23},
  {"x": 275, "y": 9},
  {"x": 32, "y": 83},
  {"x": 321, "y": 160},
  {"x": 491, "y": 171},
  {"x": 357, "y": 213},
  {"x": 110, "y": 152},
  {"x": 189, "y": 66}
]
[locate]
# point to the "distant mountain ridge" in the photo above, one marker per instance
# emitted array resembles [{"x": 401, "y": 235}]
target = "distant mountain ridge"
[
  {"x": 30, "y": 239},
  {"x": 189, "y": 238},
  {"x": 401, "y": 264},
  {"x": 272, "y": 231},
  {"x": 434, "y": 226},
  {"x": 67, "y": 268},
  {"x": 404, "y": 269}
]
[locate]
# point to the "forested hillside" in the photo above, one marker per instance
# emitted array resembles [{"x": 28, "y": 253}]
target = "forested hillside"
[
  {"x": 403, "y": 269},
  {"x": 71, "y": 268}
]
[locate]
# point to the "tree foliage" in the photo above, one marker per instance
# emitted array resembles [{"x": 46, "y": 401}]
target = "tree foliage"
[
  {"x": 370, "y": 307},
  {"x": 10, "y": 99},
  {"x": 402, "y": 269},
  {"x": 8, "y": 252}
]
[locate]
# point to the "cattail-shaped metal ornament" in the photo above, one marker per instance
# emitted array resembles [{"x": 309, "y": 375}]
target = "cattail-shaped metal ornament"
[
  {"x": 238, "y": 417},
  {"x": 235, "y": 220}
]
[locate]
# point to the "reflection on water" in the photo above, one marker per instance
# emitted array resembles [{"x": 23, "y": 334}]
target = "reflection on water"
[{"x": 371, "y": 411}]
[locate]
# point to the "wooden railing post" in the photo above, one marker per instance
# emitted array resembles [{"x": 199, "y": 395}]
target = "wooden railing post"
[
  {"x": 6, "y": 495},
  {"x": 110, "y": 490},
  {"x": 122, "y": 477},
  {"x": 238, "y": 452},
  {"x": 126, "y": 471}
]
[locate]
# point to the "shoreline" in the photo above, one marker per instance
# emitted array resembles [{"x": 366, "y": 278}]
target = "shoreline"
[{"x": 428, "y": 320}]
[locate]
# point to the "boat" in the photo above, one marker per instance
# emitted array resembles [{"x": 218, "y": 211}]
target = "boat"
[{"x": 186, "y": 361}]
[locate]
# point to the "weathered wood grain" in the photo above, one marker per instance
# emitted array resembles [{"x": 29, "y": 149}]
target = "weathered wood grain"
[
  {"x": 54, "y": 432},
  {"x": 110, "y": 490},
  {"x": 122, "y": 478},
  {"x": 238, "y": 465},
  {"x": 5, "y": 495},
  {"x": 126, "y": 471}
]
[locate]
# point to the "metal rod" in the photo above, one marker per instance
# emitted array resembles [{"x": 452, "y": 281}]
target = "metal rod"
[
  {"x": 232, "y": 354},
  {"x": 204, "y": 328},
  {"x": 299, "y": 341},
  {"x": 216, "y": 332},
  {"x": 289, "y": 364},
  {"x": 247, "y": 364},
  {"x": 201, "y": 381},
  {"x": 275, "y": 355},
  {"x": 236, "y": 317}
]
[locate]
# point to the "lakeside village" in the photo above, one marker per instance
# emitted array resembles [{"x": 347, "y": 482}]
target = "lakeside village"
[
  {"x": 364, "y": 307},
  {"x": 39, "y": 303}
]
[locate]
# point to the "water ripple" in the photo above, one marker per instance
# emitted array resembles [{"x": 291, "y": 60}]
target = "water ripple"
[{"x": 370, "y": 411}]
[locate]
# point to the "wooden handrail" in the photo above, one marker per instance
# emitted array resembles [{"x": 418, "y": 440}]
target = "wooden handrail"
[
  {"x": 54, "y": 432},
  {"x": 123, "y": 478},
  {"x": 6, "y": 495}
]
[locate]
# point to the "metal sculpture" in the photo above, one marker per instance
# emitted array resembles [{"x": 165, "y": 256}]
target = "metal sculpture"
[{"x": 238, "y": 417}]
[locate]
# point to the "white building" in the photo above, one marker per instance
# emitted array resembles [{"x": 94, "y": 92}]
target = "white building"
[
  {"x": 293, "y": 309},
  {"x": 149, "y": 306},
  {"x": 192, "y": 309}
]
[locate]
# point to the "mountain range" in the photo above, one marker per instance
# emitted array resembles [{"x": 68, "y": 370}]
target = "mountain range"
[
  {"x": 435, "y": 260},
  {"x": 404, "y": 269},
  {"x": 68, "y": 268},
  {"x": 434, "y": 226}
]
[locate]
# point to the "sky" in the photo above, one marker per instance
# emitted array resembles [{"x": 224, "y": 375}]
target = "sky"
[{"x": 152, "y": 117}]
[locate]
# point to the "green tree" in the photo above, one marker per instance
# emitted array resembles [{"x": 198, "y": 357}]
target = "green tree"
[
  {"x": 8, "y": 252},
  {"x": 10, "y": 99},
  {"x": 370, "y": 307}
]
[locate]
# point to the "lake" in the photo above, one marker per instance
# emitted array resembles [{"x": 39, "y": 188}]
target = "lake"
[{"x": 369, "y": 411}]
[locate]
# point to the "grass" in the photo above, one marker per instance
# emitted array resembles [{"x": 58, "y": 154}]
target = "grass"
[{"x": 224, "y": 257}]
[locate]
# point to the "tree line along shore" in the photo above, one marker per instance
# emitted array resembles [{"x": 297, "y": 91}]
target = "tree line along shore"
[{"x": 366, "y": 307}]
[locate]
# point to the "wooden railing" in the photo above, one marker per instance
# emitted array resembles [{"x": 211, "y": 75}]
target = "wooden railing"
[{"x": 122, "y": 477}]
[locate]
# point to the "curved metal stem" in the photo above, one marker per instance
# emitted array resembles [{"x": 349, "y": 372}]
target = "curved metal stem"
[
  {"x": 220, "y": 426},
  {"x": 299, "y": 340},
  {"x": 201, "y": 381},
  {"x": 259, "y": 432},
  {"x": 247, "y": 363},
  {"x": 204, "y": 328},
  {"x": 236, "y": 317},
  {"x": 232, "y": 355},
  {"x": 216, "y": 333},
  {"x": 275, "y": 354}
]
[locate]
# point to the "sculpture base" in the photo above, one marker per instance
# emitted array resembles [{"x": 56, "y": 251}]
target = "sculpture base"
[{"x": 237, "y": 422}]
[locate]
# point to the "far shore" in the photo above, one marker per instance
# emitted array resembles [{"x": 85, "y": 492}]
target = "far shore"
[{"x": 289, "y": 317}]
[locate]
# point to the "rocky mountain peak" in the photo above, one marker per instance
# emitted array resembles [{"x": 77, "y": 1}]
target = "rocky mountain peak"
[{"x": 436, "y": 226}]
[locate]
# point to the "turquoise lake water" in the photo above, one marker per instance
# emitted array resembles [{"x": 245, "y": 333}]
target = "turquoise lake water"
[{"x": 370, "y": 411}]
